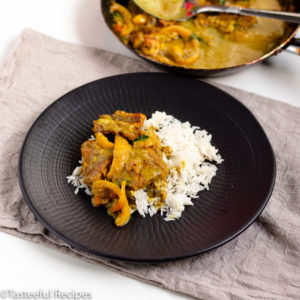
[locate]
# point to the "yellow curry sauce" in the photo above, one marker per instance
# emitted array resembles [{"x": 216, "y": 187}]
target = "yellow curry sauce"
[
  {"x": 133, "y": 160},
  {"x": 207, "y": 41}
]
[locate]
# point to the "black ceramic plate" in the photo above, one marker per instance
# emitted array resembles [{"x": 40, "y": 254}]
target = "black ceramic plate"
[{"x": 237, "y": 194}]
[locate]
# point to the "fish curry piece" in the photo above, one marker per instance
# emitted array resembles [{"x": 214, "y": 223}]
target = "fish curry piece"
[
  {"x": 138, "y": 166},
  {"x": 96, "y": 161},
  {"x": 126, "y": 124},
  {"x": 131, "y": 159}
]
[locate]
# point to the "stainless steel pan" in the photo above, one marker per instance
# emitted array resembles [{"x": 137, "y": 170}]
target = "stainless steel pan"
[{"x": 288, "y": 42}]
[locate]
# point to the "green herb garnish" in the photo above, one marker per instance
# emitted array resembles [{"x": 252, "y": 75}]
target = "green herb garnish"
[
  {"x": 118, "y": 181},
  {"x": 117, "y": 16},
  {"x": 194, "y": 36},
  {"x": 222, "y": 2},
  {"x": 142, "y": 137}
]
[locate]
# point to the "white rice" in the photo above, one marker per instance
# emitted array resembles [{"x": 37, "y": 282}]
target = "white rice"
[
  {"x": 76, "y": 179},
  {"x": 192, "y": 153}
]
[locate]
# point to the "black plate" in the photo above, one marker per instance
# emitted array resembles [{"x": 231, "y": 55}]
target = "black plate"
[{"x": 237, "y": 194}]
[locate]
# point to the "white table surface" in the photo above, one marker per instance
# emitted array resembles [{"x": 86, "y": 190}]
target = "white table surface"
[{"x": 31, "y": 267}]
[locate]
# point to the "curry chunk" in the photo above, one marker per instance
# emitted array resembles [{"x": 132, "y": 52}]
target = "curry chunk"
[
  {"x": 148, "y": 139},
  {"x": 114, "y": 168},
  {"x": 103, "y": 189},
  {"x": 96, "y": 161},
  {"x": 121, "y": 154},
  {"x": 137, "y": 166},
  {"x": 126, "y": 124}
]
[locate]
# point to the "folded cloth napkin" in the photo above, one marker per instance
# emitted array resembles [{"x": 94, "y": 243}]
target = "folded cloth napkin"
[{"x": 263, "y": 262}]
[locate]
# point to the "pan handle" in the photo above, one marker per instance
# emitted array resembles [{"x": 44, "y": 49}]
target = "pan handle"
[{"x": 293, "y": 46}]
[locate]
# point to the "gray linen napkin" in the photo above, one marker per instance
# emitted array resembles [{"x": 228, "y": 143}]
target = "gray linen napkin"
[{"x": 263, "y": 262}]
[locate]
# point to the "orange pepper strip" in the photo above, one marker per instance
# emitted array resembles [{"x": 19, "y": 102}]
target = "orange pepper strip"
[
  {"x": 121, "y": 152},
  {"x": 99, "y": 185},
  {"x": 103, "y": 141},
  {"x": 124, "y": 216},
  {"x": 122, "y": 203},
  {"x": 97, "y": 201},
  {"x": 122, "y": 198}
]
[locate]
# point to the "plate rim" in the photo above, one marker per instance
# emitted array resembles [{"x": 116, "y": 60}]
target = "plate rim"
[{"x": 80, "y": 247}]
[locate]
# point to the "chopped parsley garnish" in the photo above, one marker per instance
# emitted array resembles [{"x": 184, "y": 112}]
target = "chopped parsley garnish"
[
  {"x": 117, "y": 16},
  {"x": 222, "y": 2},
  {"x": 194, "y": 36},
  {"x": 142, "y": 137}
]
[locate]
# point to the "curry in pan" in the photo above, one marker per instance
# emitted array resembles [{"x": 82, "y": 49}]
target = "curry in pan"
[{"x": 208, "y": 41}]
